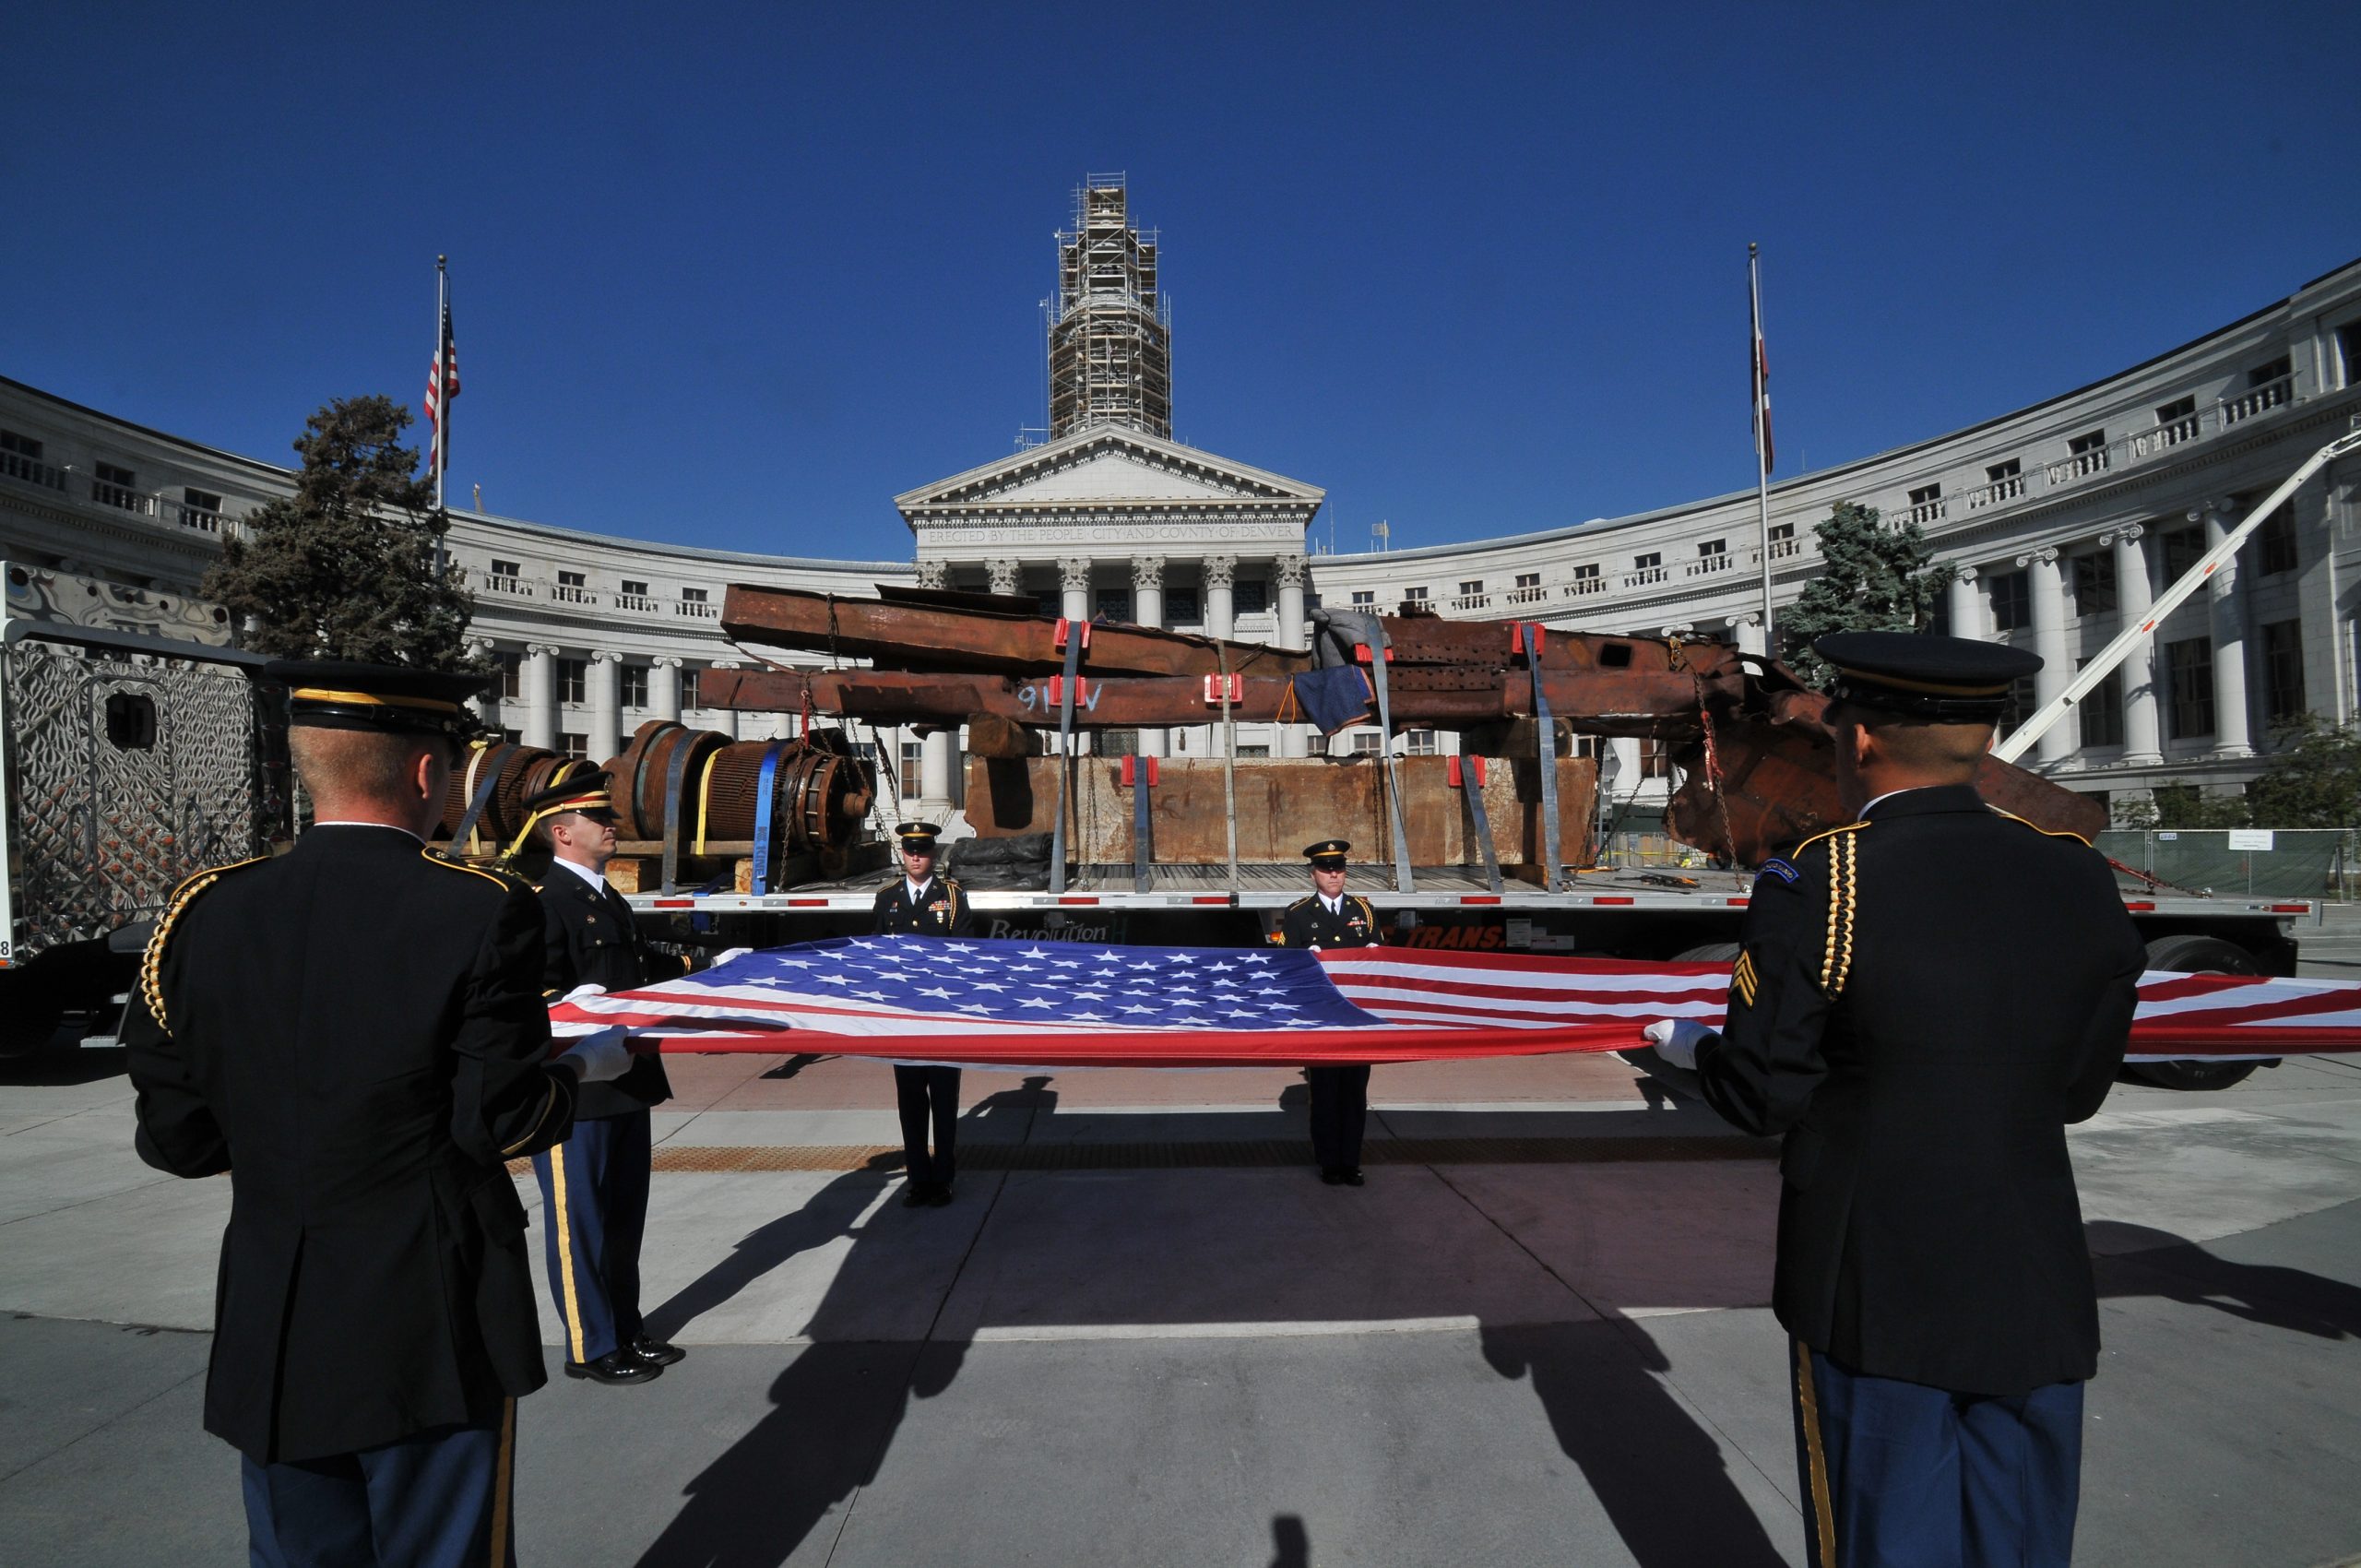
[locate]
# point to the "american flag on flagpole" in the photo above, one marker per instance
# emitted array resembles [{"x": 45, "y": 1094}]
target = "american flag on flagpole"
[
  {"x": 1060, "y": 1004},
  {"x": 442, "y": 386},
  {"x": 1761, "y": 369}
]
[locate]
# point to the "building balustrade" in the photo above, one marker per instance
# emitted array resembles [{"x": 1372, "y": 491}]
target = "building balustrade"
[
  {"x": 1926, "y": 512},
  {"x": 204, "y": 519},
  {"x": 639, "y": 603},
  {"x": 16, "y": 466},
  {"x": 2258, "y": 400},
  {"x": 1706, "y": 565},
  {"x": 1471, "y": 601},
  {"x": 1646, "y": 576},
  {"x": 122, "y": 497},
  {"x": 696, "y": 608},
  {"x": 573, "y": 593},
  {"x": 1583, "y": 586},
  {"x": 1533, "y": 595},
  {"x": 1991, "y": 495},
  {"x": 506, "y": 584}
]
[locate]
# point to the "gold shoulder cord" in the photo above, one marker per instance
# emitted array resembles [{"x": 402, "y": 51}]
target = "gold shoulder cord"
[
  {"x": 2046, "y": 832},
  {"x": 151, "y": 961},
  {"x": 431, "y": 857},
  {"x": 1843, "y": 865}
]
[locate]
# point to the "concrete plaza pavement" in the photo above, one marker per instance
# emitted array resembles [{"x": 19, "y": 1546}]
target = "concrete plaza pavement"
[{"x": 1136, "y": 1339}]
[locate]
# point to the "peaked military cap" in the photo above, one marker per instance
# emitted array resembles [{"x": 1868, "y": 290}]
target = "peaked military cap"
[
  {"x": 1947, "y": 680},
  {"x": 341, "y": 694},
  {"x": 918, "y": 837},
  {"x": 587, "y": 792},
  {"x": 1328, "y": 854}
]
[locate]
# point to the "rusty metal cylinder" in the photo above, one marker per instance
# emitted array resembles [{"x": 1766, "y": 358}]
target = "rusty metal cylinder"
[
  {"x": 710, "y": 786},
  {"x": 518, "y": 773}
]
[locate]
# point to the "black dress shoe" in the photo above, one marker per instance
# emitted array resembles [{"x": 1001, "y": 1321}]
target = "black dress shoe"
[
  {"x": 916, "y": 1193},
  {"x": 656, "y": 1352},
  {"x": 939, "y": 1196},
  {"x": 615, "y": 1366},
  {"x": 1351, "y": 1178},
  {"x": 1330, "y": 1176}
]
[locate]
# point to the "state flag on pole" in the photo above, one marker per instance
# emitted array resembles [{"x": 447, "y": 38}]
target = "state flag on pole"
[
  {"x": 442, "y": 386},
  {"x": 1762, "y": 370}
]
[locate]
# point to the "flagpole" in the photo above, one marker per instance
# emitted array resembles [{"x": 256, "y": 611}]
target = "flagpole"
[
  {"x": 1762, "y": 448},
  {"x": 441, "y": 378}
]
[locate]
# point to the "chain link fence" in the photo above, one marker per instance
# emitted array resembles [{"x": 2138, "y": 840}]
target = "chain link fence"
[{"x": 2287, "y": 863}]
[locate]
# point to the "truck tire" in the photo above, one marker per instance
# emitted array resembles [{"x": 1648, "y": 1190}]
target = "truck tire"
[
  {"x": 2192, "y": 954},
  {"x": 1709, "y": 952}
]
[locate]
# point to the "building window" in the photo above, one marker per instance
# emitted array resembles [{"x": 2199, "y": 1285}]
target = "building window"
[
  {"x": 2087, "y": 452},
  {"x": 1656, "y": 759},
  {"x": 1051, "y": 602},
  {"x": 20, "y": 446},
  {"x": 512, "y": 737},
  {"x": 2179, "y": 409},
  {"x": 1925, "y": 496},
  {"x": 1419, "y": 742},
  {"x": 1364, "y": 599},
  {"x": 572, "y": 579},
  {"x": 571, "y": 588},
  {"x": 2184, "y": 548},
  {"x": 2275, "y": 542},
  {"x": 574, "y": 682},
  {"x": 1472, "y": 586},
  {"x": 2279, "y": 369},
  {"x": 112, "y": 486},
  {"x": 2348, "y": 353},
  {"x": 2282, "y": 671},
  {"x": 2189, "y": 679},
  {"x": 2025, "y": 697},
  {"x": 1528, "y": 579},
  {"x": 2095, "y": 584},
  {"x": 2101, "y": 710},
  {"x": 689, "y": 698},
  {"x": 913, "y": 771},
  {"x": 511, "y": 677},
  {"x": 1113, "y": 604},
  {"x": 634, "y": 685},
  {"x": 1588, "y": 572},
  {"x": 1251, "y": 599},
  {"x": 1648, "y": 562},
  {"x": 573, "y": 744},
  {"x": 2012, "y": 601},
  {"x": 693, "y": 596},
  {"x": 1180, "y": 604},
  {"x": 1366, "y": 742},
  {"x": 1711, "y": 547},
  {"x": 503, "y": 568},
  {"x": 634, "y": 589},
  {"x": 1415, "y": 596}
]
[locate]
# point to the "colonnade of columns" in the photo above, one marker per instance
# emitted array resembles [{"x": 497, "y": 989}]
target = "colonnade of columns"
[
  {"x": 540, "y": 718},
  {"x": 2142, "y": 672}
]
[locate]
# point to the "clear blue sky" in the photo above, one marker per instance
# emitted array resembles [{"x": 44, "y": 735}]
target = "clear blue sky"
[{"x": 736, "y": 276}]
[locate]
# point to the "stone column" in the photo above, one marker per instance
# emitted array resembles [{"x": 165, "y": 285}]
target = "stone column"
[
  {"x": 540, "y": 676},
  {"x": 1148, "y": 608},
  {"x": 728, "y": 720},
  {"x": 938, "y": 756},
  {"x": 606, "y": 702},
  {"x": 1220, "y": 576},
  {"x": 487, "y": 704},
  {"x": 664, "y": 688},
  {"x": 1292, "y": 738},
  {"x": 2225, "y": 595},
  {"x": 2047, "y": 586},
  {"x": 1073, "y": 577},
  {"x": 1006, "y": 574},
  {"x": 1968, "y": 619},
  {"x": 935, "y": 573},
  {"x": 2134, "y": 591},
  {"x": 1747, "y": 632}
]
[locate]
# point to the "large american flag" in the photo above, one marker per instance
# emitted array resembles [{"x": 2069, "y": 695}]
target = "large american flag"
[
  {"x": 1066, "y": 1004},
  {"x": 442, "y": 386}
]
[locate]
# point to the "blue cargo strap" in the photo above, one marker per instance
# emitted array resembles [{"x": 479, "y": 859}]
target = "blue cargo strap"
[
  {"x": 1528, "y": 637},
  {"x": 764, "y": 784}
]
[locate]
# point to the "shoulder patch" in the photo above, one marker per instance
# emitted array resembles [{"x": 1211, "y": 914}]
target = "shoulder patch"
[
  {"x": 2044, "y": 832},
  {"x": 151, "y": 962},
  {"x": 1777, "y": 867}
]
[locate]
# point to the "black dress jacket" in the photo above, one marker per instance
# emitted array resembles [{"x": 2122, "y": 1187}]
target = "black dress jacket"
[
  {"x": 592, "y": 940},
  {"x": 1308, "y": 923},
  {"x": 1923, "y": 1001},
  {"x": 355, "y": 1032},
  {"x": 940, "y": 909}
]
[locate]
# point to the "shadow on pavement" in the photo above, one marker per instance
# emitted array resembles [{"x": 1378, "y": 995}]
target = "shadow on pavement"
[
  {"x": 2137, "y": 1260},
  {"x": 64, "y": 1063},
  {"x": 836, "y": 1407}
]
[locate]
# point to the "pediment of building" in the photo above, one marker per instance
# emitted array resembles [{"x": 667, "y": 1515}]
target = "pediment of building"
[{"x": 1107, "y": 466}]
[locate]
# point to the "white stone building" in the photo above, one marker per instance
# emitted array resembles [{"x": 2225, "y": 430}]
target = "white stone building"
[{"x": 2068, "y": 517}]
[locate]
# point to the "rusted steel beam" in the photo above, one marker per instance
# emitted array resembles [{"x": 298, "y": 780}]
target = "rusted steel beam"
[{"x": 925, "y": 633}]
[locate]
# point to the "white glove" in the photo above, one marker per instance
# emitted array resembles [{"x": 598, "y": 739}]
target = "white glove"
[
  {"x": 723, "y": 958},
  {"x": 580, "y": 992},
  {"x": 1677, "y": 1040},
  {"x": 599, "y": 1057}
]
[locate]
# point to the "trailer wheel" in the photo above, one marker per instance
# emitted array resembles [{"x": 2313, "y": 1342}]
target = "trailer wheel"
[
  {"x": 2190, "y": 955},
  {"x": 1709, "y": 952}
]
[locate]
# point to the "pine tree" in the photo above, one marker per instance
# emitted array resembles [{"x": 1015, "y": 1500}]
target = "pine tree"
[
  {"x": 350, "y": 566},
  {"x": 1875, "y": 578}
]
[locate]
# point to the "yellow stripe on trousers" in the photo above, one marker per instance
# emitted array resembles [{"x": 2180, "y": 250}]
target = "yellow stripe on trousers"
[
  {"x": 1809, "y": 1402},
  {"x": 565, "y": 1253},
  {"x": 503, "y": 1480}
]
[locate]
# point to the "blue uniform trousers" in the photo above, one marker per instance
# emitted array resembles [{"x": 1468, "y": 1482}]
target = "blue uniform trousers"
[
  {"x": 594, "y": 1198},
  {"x": 437, "y": 1498},
  {"x": 1898, "y": 1475},
  {"x": 928, "y": 1099}
]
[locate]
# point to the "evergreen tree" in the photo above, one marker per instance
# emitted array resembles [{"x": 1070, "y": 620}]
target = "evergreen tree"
[
  {"x": 2312, "y": 779},
  {"x": 1875, "y": 578},
  {"x": 350, "y": 566}
]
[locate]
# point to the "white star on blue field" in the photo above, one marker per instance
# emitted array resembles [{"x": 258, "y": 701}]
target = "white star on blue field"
[{"x": 1060, "y": 984}]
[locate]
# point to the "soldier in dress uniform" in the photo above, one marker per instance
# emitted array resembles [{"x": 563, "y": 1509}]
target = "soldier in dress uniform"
[
  {"x": 594, "y": 1186},
  {"x": 354, "y": 1031},
  {"x": 1329, "y": 916},
  {"x": 1925, "y": 998},
  {"x": 922, "y": 903}
]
